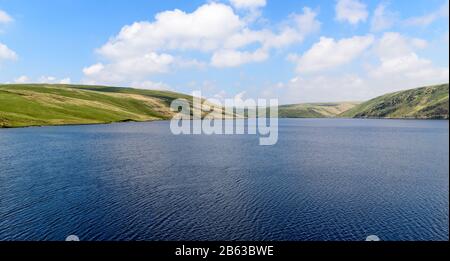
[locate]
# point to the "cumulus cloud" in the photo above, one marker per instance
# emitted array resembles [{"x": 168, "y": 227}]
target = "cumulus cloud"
[
  {"x": 391, "y": 64},
  {"x": 140, "y": 50},
  {"x": 204, "y": 29},
  {"x": 329, "y": 53},
  {"x": 348, "y": 87},
  {"x": 5, "y": 17},
  {"x": 6, "y": 53},
  {"x": 248, "y": 4},
  {"x": 145, "y": 48},
  {"x": 300, "y": 26},
  {"x": 398, "y": 59},
  {"x": 351, "y": 11},
  {"x": 382, "y": 18},
  {"x": 232, "y": 58}
]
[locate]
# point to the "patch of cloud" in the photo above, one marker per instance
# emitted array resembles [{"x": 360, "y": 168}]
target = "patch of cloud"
[
  {"x": 42, "y": 79},
  {"x": 6, "y": 53},
  {"x": 149, "y": 85},
  {"x": 131, "y": 68},
  {"x": 53, "y": 80},
  {"x": 347, "y": 87},
  {"x": 248, "y": 4},
  {"x": 299, "y": 26},
  {"x": 5, "y": 17},
  {"x": 233, "y": 58},
  {"x": 329, "y": 53},
  {"x": 429, "y": 18},
  {"x": 351, "y": 11},
  {"x": 65, "y": 81},
  {"x": 398, "y": 59},
  {"x": 393, "y": 44},
  {"x": 144, "y": 49},
  {"x": 22, "y": 79},
  {"x": 205, "y": 29},
  {"x": 391, "y": 64},
  {"x": 383, "y": 18}
]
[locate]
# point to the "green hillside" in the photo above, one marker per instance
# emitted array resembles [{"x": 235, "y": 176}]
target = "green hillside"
[
  {"x": 422, "y": 103},
  {"x": 314, "y": 110},
  {"x": 43, "y": 104}
]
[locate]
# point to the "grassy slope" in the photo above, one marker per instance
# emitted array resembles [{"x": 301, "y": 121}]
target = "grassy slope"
[
  {"x": 36, "y": 105},
  {"x": 422, "y": 103},
  {"x": 43, "y": 104},
  {"x": 315, "y": 110}
]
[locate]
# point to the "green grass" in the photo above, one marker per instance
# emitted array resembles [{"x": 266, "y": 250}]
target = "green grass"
[
  {"x": 23, "y": 105},
  {"x": 315, "y": 110},
  {"x": 43, "y": 104},
  {"x": 422, "y": 103}
]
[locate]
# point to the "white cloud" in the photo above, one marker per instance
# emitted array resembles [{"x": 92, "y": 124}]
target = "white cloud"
[
  {"x": 93, "y": 69},
  {"x": 382, "y": 18},
  {"x": 22, "y": 79},
  {"x": 430, "y": 18},
  {"x": 146, "y": 48},
  {"x": 393, "y": 45},
  {"x": 398, "y": 60},
  {"x": 204, "y": 29},
  {"x": 132, "y": 68},
  {"x": 140, "y": 50},
  {"x": 189, "y": 63},
  {"x": 5, "y": 17},
  {"x": 248, "y": 4},
  {"x": 396, "y": 67},
  {"x": 232, "y": 58},
  {"x": 299, "y": 26},
  {"x": 329, "y": 53},
  {"x": 53, "y": 80},
  {"x": 42, "y": 79},
  {"x": 47, "y": 79},
  {"x": 65, "y": 81},
  {"x": 150, "y": 85},
  {"x": 307, "y": 22},
  {"x": 351, "y": 11},
  {"x": 6, "y": 53}
]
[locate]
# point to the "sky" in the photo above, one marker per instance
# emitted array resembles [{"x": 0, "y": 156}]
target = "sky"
[{"x": 293, "y": 50}]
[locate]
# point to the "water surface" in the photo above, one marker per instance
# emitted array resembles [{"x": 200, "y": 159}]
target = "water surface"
[{"x": 324, "y": 180}]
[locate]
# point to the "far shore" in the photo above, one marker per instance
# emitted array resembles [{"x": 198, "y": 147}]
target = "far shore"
[{"x": 162, "y": 120}]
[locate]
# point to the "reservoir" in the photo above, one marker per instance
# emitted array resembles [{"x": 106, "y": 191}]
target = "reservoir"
[{"x": 325, "y": 180}]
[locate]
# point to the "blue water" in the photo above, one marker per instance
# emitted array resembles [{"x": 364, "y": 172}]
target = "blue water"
[{"x": 324, "y": 180}]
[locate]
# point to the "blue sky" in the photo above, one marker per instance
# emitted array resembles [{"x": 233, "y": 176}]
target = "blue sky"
[{"x": 297, "y": 51}]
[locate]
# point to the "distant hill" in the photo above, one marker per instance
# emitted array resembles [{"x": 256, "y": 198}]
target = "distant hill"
[
  {"x": 43, "y": 104},
  {"x": 315, "y": 110},
  {"x": 23, "y": 105},
  {"x": 422, "y": 103}
]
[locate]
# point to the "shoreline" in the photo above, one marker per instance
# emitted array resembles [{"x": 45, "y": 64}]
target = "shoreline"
[{"x": 161, "y": 120}]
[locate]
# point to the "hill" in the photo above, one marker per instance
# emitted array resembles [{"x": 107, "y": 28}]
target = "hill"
[
  {"x": 23, "y": 105},
  {"x": 44, "y": 104},
  {"x": 315, "y": 110},
  {"x": 422, "y": 103}
]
